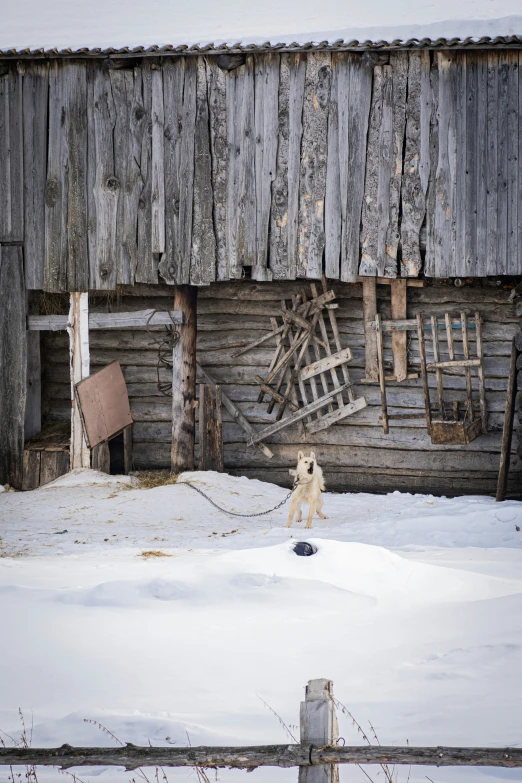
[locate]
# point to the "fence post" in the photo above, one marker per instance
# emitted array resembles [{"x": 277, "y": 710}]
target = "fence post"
[{"x": 318, "y": 723}]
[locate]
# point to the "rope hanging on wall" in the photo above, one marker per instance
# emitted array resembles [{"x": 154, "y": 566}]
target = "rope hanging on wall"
[{"x": 165, "y": 340}]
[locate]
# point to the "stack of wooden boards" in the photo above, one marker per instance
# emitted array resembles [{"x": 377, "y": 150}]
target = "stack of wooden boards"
[{"x": 303, "y": 375}]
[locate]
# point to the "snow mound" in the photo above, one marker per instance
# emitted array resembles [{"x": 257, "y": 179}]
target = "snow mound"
[{"x": 85, "y": 477}]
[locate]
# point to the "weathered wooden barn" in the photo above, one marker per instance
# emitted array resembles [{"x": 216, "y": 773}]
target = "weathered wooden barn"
[{"x": 223, "y": 191}]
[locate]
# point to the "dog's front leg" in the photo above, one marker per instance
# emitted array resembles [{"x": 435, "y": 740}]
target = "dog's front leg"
[
  {"x": 311, "y": 513},
  {"x": 319, "y": 507},
  {"x": 293, "y": 505}
]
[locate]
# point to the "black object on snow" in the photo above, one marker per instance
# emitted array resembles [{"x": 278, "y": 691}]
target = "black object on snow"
[{"x": 304, "y": 549}]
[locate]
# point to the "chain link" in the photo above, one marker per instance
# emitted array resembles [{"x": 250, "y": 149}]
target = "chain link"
[{"x": 234, "y": 513}]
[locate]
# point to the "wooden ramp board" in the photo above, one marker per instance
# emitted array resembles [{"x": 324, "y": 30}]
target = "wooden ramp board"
[{"x": 104, "y": 404}]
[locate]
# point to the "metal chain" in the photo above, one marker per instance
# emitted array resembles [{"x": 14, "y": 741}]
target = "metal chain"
[{"x": 234, "y": 513}]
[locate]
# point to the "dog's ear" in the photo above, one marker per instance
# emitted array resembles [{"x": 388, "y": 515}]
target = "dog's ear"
[
  {"x": 312, "y": 455},
  {"x": 300, "y": 456}
]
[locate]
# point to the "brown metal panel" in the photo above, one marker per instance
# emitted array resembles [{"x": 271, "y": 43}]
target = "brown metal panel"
[{"x": 104, "y": 404}]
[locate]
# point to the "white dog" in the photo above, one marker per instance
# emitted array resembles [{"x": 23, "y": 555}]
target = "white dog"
[{"x": 308, "y": 485}]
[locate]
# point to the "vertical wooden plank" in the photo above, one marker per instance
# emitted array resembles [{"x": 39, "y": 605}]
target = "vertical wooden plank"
[
  {"x": 507, "y": 432},
  {"x": 513, "y": 152},
  {"x": 146, "y": 263},
  {"x": 203, "y": 252},
  {"x": 471, "y": 152},
  {"x": 370, "y": 335},
  {"x": 127, "y": 450},
  {"x": 491, "y": 163},
  {"x": 449, "y": 337},
  {"x": 204, "y": 410},
  {"x": 465, "y": 347},
  {"x": 312, "y": 181},
  {"x": 218, "y": 143},
  {"x": 424, "y": 374},
  {"x": 444, "y": 189},
  {"x": 210, "y": 428},
  {"x": 13, "y": 365},
  {"x": 285, "y": 188},
  {"x": 399, "y": 339},
  {"x": 266, "y": 89},
  {"x": 332, "y": 214},
  {"x": 399, "y": 66},
  {"x": 35, "y": 114},
  {"x": 480, "y": 355},
  {"x": 354, "y": 100},
  {"x": 458, "y": 268},
  {"x": 78, "y": 330},
  {"x": 481, "y": 162},
  {"x": 432, "y": 253},
  {"x": 66, "y": 259},
  {"x": 502, "y": 164},
  {"x": 31, "y": 470},
  {"x": 184, "y": 382},
  {"x": 318, "y": 726},
  {"x": 416, "y": 162},
  {"x": 519, "y": 208},
  {"x": 438, "y": 371},
  {"x": 11, "y": 156},
  {"x": 377, "y": 177},
  {"x": 33, "y": 401},
  {"x": 101, "y": 457},
  {"x": 158, "y": 173},
  {"x": 170, "y": 267},
  {"x": 103, "y": 184},
  {"x": 382, "y": 382},
  {"x": 130, "y": 127}
]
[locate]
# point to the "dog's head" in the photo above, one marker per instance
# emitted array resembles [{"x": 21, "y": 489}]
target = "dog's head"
[{"x": 306, "y": 465}]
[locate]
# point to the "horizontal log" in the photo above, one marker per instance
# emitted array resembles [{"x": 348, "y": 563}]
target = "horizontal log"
[
  {"x": 135, "y": 320},
  {"x": 132, "y": 756},
  {"x": 410, "y": 324}
]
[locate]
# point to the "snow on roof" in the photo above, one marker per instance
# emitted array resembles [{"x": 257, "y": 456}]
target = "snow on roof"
[{"x": 101, "y": 24}]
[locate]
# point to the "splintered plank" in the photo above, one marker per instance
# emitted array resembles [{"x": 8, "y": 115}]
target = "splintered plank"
[
  {"x": 332, "y": 214},
  {"x": 399, "y": 65},
  {"x": 302, "y": 413},
  {"x": 312, "y": 184},
  {"x": 179, "y": 97},
  {"x": 146, "y": 264},
  {"x": 158, "y": 171},
  {"x": 218, "y": 143},
  {"x": 66, "y": 263},
  {"x": 203, "y": 259},
  {"x": 130, "y": 126},
  {"x": 35, "y": 106},
  {"x": 336, "y": 416},
  {"x": 399, "y": 338},
  {"x": 103, "y": 185},
  {"x": 285, "y": 188},
  {"x": 502, "y": 163},
  {"x": 11, "y": 156},
  {"x": 430, "y": 135},
  {"x": 416, "y": 162},
  {"x": 513, "y": 155},
  {"x": 491, "y": 163},
  {"x": 241, "y": 208},
  {"x": 444, "y": 239},
  {"x": 266, "y": 87},
  {"x": 480, "y": 162},
  {"x": 327, "y": 363}
]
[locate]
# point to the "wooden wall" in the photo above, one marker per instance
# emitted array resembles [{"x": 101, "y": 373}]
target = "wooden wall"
[
  {"x": 356, "y": 454},
  {"x": 180, "y": 170}
]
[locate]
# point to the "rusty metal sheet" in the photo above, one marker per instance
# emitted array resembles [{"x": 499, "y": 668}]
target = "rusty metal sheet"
[{"x": 104, "y": 404}]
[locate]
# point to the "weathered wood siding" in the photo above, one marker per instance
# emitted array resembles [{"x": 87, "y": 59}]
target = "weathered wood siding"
[
  {"x": 178, "y": 170},
  {"x": 355, "y": 453}
]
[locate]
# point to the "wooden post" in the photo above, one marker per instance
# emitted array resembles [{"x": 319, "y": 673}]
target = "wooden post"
[
  {"x": 210, "y": 428},
  {"x": 507, "y": 433},
  {"x": 438, "y": 371},
  {"x": 465, "y": 347},
  {"x": 33, "y": 400},
  {"x": 318, "y": 722},
  {"x": 382, "y": 382},
  {"x": 399, "y": 338},
  {"x": 78, "y": 330},
  {"x": 370, "y": 336},
  {"x": 482, "y": 390},
  {"x": 422, "y": 353},
  {"x": 184, "y": 382},
  {"x": 127, "y": 450}
]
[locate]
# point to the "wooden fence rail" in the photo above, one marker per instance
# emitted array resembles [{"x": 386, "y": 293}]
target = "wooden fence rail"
[{"x": 317, "y": 755}]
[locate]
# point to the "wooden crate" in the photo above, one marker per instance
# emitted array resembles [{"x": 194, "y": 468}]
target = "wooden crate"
[
  {"x": 455, "y": 432},
  {"x": 47, "y": 456}
]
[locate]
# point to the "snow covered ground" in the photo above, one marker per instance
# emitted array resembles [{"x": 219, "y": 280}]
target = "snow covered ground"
[{"x": 412, "y": 606}]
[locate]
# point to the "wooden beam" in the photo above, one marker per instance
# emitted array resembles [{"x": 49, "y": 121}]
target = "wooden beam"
[
  {"x": 382, "y": 383},
  {"x": 336, "y": 416},
  {"x": 210, "y": 428},
  {"x": 327, "y": 363},
  {"x": 273, "y": 393},
  {"x": 425, "y": 387},
  {"x": 410, "y": 325},
  {"x": 78, "y": 329},
  {"x": 138, "y": 319},
  {"x": 133, "y": 756},
  {"x": 399, "y": 339},
  {"x": 184, "y": 382},
  {"x": 370, "y": 338},
  {"x": 454, "y": 363},
  {"x": 318, "y": 723},
  {"x": 507, "y": 433},
  {"x": 387, "y": 281}
]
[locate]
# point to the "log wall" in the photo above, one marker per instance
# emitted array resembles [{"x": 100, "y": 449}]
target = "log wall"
[{"x": 355, "y": 453}]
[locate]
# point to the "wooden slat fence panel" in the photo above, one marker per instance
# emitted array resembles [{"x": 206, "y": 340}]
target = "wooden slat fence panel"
[
  {"x": 35, "y": 117},
  {"x": 66, "y": 254}
]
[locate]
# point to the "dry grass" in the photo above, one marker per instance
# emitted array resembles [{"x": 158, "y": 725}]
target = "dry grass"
[
  {"x": 148, "y": 553},
  {"x": 149, "y": 479}
]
